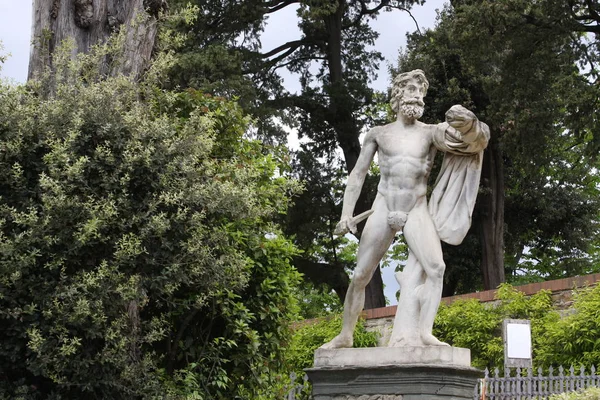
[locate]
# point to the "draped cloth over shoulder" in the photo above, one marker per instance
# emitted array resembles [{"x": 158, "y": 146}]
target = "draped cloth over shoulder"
[{"x": 455, "y": 190}]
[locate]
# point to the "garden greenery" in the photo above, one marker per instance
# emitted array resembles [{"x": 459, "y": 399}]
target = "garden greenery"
[
  {"x": 138, "y": 254},
  {"x": 569, "y": 337},
  {"x": 309, "y": 335},
  {"x": 568, "y": 340}
]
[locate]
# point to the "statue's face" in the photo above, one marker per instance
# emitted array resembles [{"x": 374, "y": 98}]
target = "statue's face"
[{"x": 411, "y": 102}]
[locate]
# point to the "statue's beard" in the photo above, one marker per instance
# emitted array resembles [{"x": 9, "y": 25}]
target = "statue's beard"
[{"x": 412, "y": 110}]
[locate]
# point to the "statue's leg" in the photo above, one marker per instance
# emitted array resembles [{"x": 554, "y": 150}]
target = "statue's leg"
[
  {"x": 375, "y": 240},
  {"x": 423, "y": 240}
]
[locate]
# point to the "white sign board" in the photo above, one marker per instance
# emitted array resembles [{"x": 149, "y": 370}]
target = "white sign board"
[
  {"x": 517, "y": 343},
  {"x": 518, "y": 338}
]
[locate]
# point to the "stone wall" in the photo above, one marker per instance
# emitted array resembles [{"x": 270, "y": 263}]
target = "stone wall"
[{"x": 381, "y": 319}]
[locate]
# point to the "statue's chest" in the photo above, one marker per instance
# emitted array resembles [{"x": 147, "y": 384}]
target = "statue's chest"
[{"x": 410, "y": 144}]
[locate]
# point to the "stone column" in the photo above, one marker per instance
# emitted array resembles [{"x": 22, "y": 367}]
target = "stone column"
[{"x": 394, "y": 373}]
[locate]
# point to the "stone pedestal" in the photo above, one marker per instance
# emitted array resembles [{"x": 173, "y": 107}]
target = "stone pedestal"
[{"x": 396, "y": 373}]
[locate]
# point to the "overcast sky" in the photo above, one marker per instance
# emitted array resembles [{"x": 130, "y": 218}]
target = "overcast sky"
[{"x": 15, "y": 33}]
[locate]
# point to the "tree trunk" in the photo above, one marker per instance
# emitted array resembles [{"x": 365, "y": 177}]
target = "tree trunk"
[
  {"x": 374, "y": 296},
  {"x": 492, "y": 217},
  {"x": 91, "y": 22},
  {"x": 333, "y": 275}
]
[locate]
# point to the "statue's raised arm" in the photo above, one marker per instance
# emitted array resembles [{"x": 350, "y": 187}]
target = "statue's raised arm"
[{"x": 462, "y": 133}]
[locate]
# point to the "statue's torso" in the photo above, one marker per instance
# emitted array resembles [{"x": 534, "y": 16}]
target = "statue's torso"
[{"x": 405, "y": 156}]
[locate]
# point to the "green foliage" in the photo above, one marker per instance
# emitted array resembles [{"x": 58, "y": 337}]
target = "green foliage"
[
  {"x": 515, "y": 63},
  {"x": 310, "y": 335},
  {"x": 588, "y": 394},
  {"x": 574, "y": 339},
  {"x": 335, "y": 62},
  {"x": 478, "y": 326},
  {"x": 138, "y": 254},
  {"x": 567, "y": 340},
  {"x": 317, "y": 301},
  {"x": 325, "y": 259}
]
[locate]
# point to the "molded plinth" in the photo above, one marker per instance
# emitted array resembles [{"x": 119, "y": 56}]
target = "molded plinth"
[
  {"x": 404, "y": 373},
  {"x": 379, "y": 356}
]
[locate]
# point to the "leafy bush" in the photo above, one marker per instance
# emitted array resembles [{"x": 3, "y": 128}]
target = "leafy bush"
[
  {"x": 138, "y": 258},
  {"x": 574, "y": 339},
  {"x": 317, "y": 301},
  {"x": 478, "y": 326},
  {"x": 571, "y": 340},
  {"x": 310, "y": 335}
]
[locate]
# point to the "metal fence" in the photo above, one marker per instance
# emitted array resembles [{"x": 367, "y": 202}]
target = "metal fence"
[
  {"x": 522, "y": 384},
  {"x": 298, "y": 391},
  {"x": 515, "y": 384}
]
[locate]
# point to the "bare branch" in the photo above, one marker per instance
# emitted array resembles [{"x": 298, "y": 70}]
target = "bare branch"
[
  {"x": 295, "y": 60},
  {"x": 410, "y": 14},
  {"x": 294, "y": 44},
  {"x": 270, "y": 63},
  {"x": 364, "y": 10},
  {"x": 273, "y": 6},
  {"x": 385, "y": 3},
  {"x": 281, "y": 57},
  {"x": 587, "y": 28},
  {"x": 593, "y": 13}
]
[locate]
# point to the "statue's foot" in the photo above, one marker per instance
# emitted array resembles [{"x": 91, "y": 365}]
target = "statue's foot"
[
  {"x": 430, "y": 340},
  {"x": 338, "y": 342},
  {"x": 405, "y": 340},
  {"x": 396, "y": 342}
]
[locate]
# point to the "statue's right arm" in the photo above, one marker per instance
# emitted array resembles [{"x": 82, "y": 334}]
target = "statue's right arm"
[{"x": 355, "y": 182}]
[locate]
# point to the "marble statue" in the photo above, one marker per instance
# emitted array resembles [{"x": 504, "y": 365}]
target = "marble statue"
[{"x": 405, "y": 150}]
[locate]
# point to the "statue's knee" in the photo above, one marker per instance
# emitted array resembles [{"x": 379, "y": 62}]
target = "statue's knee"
[
  {"x": 361, "y": 278},
  {"x": 438, "y": 270}
]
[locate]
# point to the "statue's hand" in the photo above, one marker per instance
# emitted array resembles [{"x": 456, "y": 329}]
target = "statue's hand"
[
  {"x": 344, "y": 226},
  {"x": 460, "y": 118}
]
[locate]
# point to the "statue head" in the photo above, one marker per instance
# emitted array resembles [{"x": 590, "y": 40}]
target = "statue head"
[{"x": 408, "y": 90}]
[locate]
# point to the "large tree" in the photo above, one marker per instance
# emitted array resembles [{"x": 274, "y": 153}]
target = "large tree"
[
  {"x": 335, "y": 62},
  {"x": 520, "y": 74},
  {"x": 91, "y": 22}
]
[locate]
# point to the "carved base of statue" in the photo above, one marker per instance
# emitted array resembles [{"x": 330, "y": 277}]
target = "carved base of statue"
[{"x": 402, "y": 373}]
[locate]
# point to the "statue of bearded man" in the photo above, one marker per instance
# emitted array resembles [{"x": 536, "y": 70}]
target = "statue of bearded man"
[{"x": 406, "y": 149}]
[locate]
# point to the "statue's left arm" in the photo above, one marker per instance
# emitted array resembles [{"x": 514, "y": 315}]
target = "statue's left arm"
[
  {"x": 463, "y": 138},
  {"x": 462, "y": 133}
]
